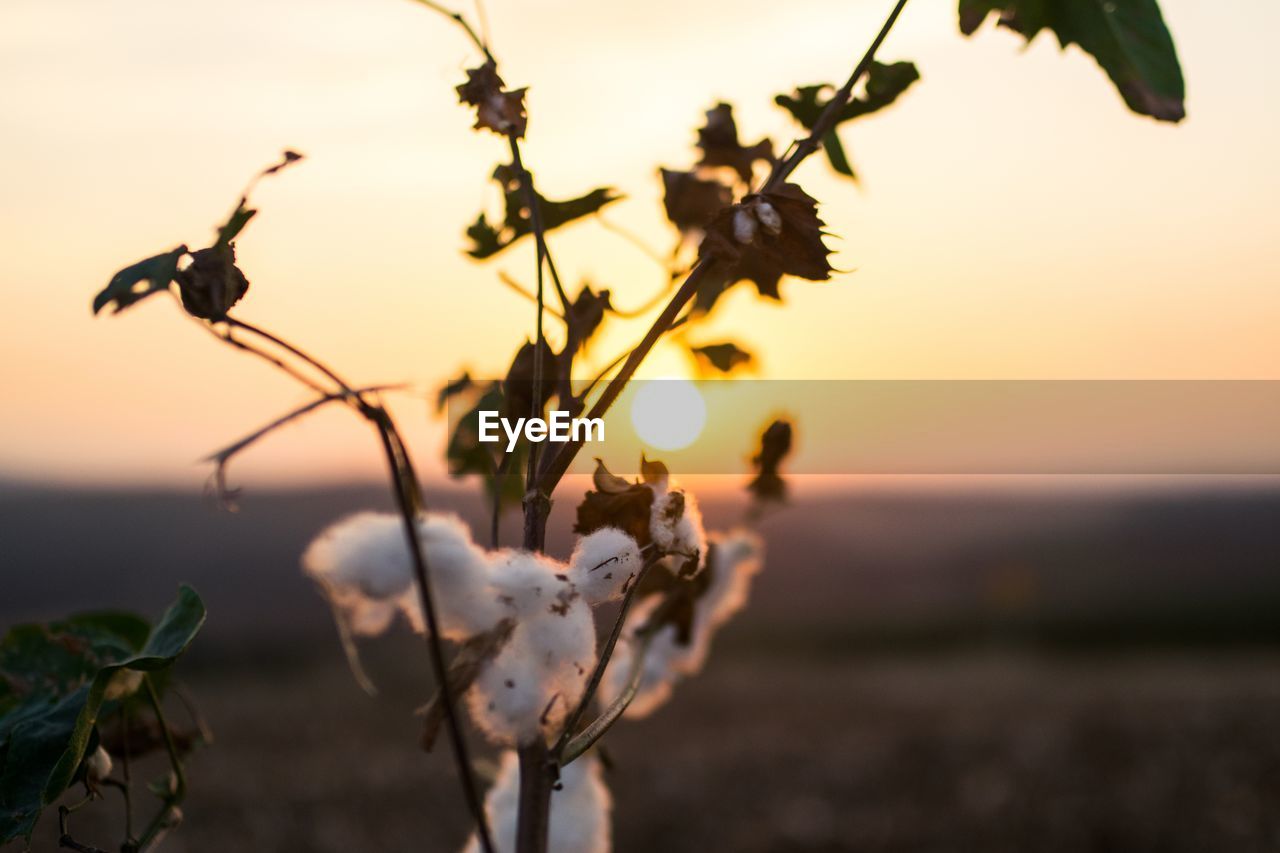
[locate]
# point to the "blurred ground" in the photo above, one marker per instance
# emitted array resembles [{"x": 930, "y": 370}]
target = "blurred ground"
[
  {"x": 984, "y": 752},
  {"x": 914, "y": 673}
]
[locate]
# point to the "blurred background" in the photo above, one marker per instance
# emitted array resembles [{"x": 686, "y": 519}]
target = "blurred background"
[{"x": 927, "y": 663}]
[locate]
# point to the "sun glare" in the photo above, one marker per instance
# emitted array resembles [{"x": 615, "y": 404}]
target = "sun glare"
[{"x": 668, "y": 414}]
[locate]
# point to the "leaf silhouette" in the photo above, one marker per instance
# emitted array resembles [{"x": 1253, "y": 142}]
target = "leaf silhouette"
[
  {"x": 718, "y": 139},
  {"x": 1128, "y": 38},
  {"x": 488, "y": 240},
  {"x": 724, "y": 357},
  {"x": 155, "y": 274},
  {"x": 885, "y": 83},
  {"x": 766, "y": 236}
]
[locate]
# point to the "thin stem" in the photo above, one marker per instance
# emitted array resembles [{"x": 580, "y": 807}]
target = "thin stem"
[
  {"x": 592, "y": 733},
  {"x": 559, "y": 464},
  {"x": 223, "y": 457},
  {"x": 635, "y": 240},
  {"x": 398, "y": 462},
  {"x": 519, "y": 288},
  {"x": 292, "y": 350},
  {"x": 480, "y": 43},
  {"x": 408, "y": 495},
  {"x": 169, "y": 814},
  {"x": 602, "y": 661}
]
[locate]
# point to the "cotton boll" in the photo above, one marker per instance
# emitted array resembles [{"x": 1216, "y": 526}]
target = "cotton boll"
[
  {"x": 736, "y": 560},
  {"x": 465, "y": 600},
  {"x": 675, "y": 523},
  {"x": 526, "y": 583},
  {"x": 603, "y": 564},
  {"x": 364, "y": 552},
  {"x": 580, "y": 808},
  {"x": 528, "y": 690},
  {"x": 733, "y": 561}
]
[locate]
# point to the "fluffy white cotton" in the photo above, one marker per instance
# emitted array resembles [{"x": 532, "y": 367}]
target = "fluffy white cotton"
[
  {"x": 580, "y": 809},
  {"x": 364, "y": 553},
  {"x": 528, "y": 690},
  {"x": 364, "y": 566},
  {"x": 675, "y": 523},
  {"x": 603, "y": 565},
  {"x": 466, "y": 602},
  {"x": 734, "y": 560}
]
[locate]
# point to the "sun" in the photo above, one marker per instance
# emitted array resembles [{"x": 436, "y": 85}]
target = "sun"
[{"x": 668, "y": 414}]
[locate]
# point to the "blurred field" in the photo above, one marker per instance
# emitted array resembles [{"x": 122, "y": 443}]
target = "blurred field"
[{"x": 915, "y": 673}]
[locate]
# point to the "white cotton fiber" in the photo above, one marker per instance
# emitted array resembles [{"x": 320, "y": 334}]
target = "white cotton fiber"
[
  {"x": 734, "y": 560},
  {"x": 675, "y": 523},
  {"x": 527, "y": 691},
  {"x": 364, "y": 552},
  {"x": 603, "y": 565},
  {"x": 580, "y": 808}
]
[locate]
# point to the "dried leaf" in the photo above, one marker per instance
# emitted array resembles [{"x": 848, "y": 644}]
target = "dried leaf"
[
  {"x": 497, "y": 109},
  {"x": 615, "y": 503},
  {"x": 761, "y": 239},
  {"x": 724, "y": 357},
  {"x": 775, "y": 444},
  {"x": 517, "y": 388},
  {"x": 654, "y": 473},
  {"x": 464, "y": 669},
  {"x": 718, "y": 139},
  {"x": 212, "y": 283},
  {"x": 691, "y": 202},
  {"x": 585, "y": 315}
]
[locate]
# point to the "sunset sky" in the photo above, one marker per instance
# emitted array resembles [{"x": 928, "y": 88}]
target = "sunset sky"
[{"x": 1014, "y": 219}]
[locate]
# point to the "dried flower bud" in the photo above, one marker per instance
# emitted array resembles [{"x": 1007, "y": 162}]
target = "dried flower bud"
[{"x": 212, "y": 283}]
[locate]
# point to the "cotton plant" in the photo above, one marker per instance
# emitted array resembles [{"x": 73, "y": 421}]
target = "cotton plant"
[
  {"x": 510, "y": 633},
  {"x": 533, "y": 677}
]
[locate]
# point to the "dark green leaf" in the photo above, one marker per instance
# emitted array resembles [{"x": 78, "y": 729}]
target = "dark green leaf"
[
  {"x": 835, "y": 154},
  {"x": 153, "y": 274},
  {"x": 885, "y": 83},
  {"x": 57, "y": 677},
  {"x": 725, "y": 357},
  {"x": 1128, "y": 38},
  {"x": 517, "y": 220}
]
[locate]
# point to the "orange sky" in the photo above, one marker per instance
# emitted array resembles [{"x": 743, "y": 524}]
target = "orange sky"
[{"x": 1014, "y": 222}]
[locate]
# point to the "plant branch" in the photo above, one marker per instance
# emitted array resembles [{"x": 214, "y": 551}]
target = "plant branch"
[
  {"x": 408, "y": 501},
  {"x": 602, "y": 661},
  {"x": 592, "y": 733},
  {"x": 831, "y": 112},
  {"x": 556, "y": 468}
]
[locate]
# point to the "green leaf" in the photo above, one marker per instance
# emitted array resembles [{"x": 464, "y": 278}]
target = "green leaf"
[
  {"x": 154, "y": 274},
  {"x": 835, "y": 153},
  {"x": 725, "y": 357},
  {"x": 1128, "y": 38},
  {"x": 517, "y": 222},
  {"x": 57, "y": 677},
  {"x": 885, "y": 83}
]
